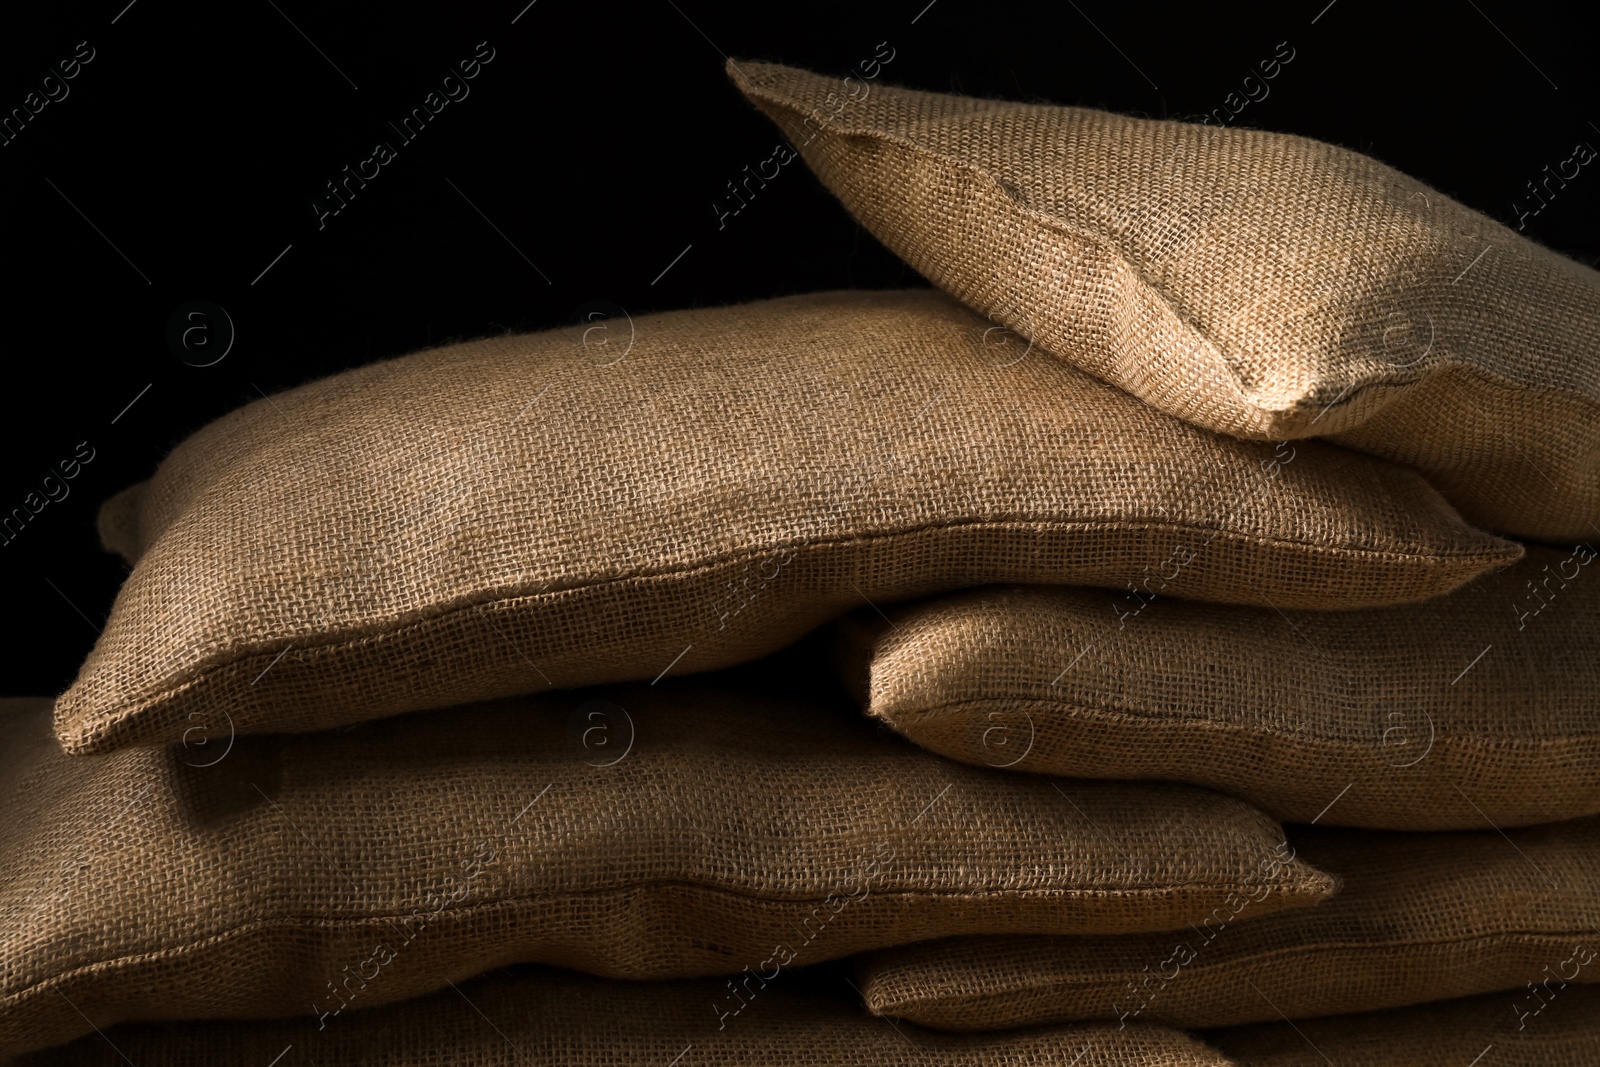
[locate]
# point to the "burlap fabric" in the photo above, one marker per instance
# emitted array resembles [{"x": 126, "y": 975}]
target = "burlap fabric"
[
  {"x": 1474, "y": 710},
  {"x": 1420, "y": 917},
  {"x": 1499, "y": 1030},
  {"x": 643, "y": 832},
  {"x": 1255, "y": 283},
  {"x": 504, "y": 516},
  {"x": 530, "y": 1017}
]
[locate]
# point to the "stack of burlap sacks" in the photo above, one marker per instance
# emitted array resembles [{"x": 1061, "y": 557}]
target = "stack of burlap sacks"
[{"x": 419, "y": 732}]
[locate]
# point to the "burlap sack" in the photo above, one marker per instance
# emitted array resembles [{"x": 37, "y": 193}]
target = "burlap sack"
[
  {"x": 529, "y": 1016},
  {"x": 642, "y": 832},
  {"x": 1255, "y": 283},
  {"x": 505, "y": 516},
  {"x": 1500, "y": 1030},
  {"x": 1420, "y": 917},
  {"x": 1474, "y": 710}
]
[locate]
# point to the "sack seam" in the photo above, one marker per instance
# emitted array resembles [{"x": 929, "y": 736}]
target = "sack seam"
[
  {"x": 1144, "y": 717},
  {"x": 1103, "y": 978},
  {"x": 326, "y": 644},
  {"x": 310, "y": 923}
]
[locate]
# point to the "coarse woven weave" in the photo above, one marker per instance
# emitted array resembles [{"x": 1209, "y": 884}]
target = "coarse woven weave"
[
  {"x": 1259, "y": 284},
  {"x": 1498, "y": 1030},
  {"x": 504, "y": 516},
  {"x": 637, "y": 832},
  {"x": 1494, "y": 688},
  {"x": 531, "y": 1017},
  {"x": 1420, "y": 917}
]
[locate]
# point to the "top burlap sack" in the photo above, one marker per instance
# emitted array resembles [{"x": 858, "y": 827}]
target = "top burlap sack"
[
  {"x": 1258, "y": 284},
  {"x": 505, "y": 516}
]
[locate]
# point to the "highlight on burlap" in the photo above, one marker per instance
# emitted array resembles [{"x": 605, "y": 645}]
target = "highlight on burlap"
[
  {"x": 1255, "y": 283},
  {"x": 677, "y": 830},
  {"x": 1420, "y": 917},
  {"x": 505, "y": 516},
  {"x": 533, "y": 1017},
  {"x": 1555, "y": 1025},
  {"x": 1474, "y": 710}
]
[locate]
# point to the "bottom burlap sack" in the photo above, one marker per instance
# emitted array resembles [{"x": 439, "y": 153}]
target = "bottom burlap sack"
[
  {"x": 542, "y": 1018},
  {"x": 1420, "y": 917},
  {"x": 1553, "y": 1025},
  {"x": 670, "y": 831}
]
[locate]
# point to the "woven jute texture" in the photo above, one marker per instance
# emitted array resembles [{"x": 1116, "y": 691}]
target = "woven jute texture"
[
  {"x": 505, "y": 516},
  {"x": 1255, "y": 283},
  {"x": 531, "y": 1016},
  {"x": 1556, "y": 1025},
  {"x": 1420, "y": 917},
  {"x": 639, "y": 832},
  {"x": 1475, "y": 710}
]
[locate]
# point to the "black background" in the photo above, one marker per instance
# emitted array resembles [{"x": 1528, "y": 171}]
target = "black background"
[{"x": 586, "y": 158}]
